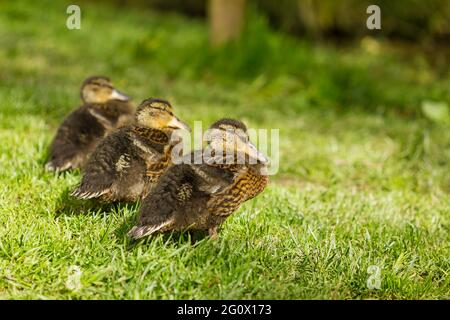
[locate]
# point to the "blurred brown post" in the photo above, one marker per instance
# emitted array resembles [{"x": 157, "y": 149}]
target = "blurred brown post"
[
  {"x": 226, "y": 20},
  {"x": 308, "y": 13}
]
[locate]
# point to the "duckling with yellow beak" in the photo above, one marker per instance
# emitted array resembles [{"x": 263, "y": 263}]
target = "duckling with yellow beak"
[
  {"x": 104, "y": 110},
  {"x": 129, "y": 161},
  {"x": 193, "y": 196}
]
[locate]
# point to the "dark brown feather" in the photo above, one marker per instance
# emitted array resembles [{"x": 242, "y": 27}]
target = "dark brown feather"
[{"x": 125, "y": 165}]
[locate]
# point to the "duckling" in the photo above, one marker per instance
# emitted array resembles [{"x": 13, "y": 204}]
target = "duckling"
[
  {"x": 130, "y": 160},
  {"x": 104, "y": 110},
  {"x": 200, "y": 196}
]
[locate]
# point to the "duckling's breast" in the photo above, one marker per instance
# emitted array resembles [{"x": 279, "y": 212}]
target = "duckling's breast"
[{"x": 245, "y": 187}]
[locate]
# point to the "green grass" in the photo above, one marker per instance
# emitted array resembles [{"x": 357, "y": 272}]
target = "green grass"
[{"x": 363, "y": 180}]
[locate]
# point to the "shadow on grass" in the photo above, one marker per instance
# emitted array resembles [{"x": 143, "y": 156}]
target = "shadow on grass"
[
  {"x": 176, "y": 238},
  {"x": 68, "y": 205}
]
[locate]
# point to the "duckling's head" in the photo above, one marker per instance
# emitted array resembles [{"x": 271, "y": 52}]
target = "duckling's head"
[
  {"x": 158, "y": 114},
  {"x": 100, "y": 90},
  {"x": 230, "y": 137}
]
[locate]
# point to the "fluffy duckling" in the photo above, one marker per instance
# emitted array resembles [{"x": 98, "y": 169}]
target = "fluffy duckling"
[
  {"x": 104, "y": 110},
  {"x": 127, "y": 162},
  {"x": 201, "y": 196}
]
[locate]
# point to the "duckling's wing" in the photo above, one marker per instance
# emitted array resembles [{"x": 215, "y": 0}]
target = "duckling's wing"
[
  {"x": 213, "y": 179},
  {"x": 160, "y": 207},
  {"x": 75, "y": 138},
  {"x": 111, "y": 158}
]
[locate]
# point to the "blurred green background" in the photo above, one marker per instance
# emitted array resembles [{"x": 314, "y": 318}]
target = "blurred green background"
[{"x": 412, "y": 20}]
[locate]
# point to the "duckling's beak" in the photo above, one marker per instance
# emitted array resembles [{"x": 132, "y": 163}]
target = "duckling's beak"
[
  {"x": 117, "y": 95},
  {"x": 254, "y": 153},
  {"x": 176, "y": 123}
]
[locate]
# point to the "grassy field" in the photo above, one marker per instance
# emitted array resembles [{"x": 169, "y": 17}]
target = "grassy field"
[{"x": 363, "y": 180}]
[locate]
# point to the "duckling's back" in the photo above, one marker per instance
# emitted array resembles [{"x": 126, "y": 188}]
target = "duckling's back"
[{"x": 76, "y": 137}]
